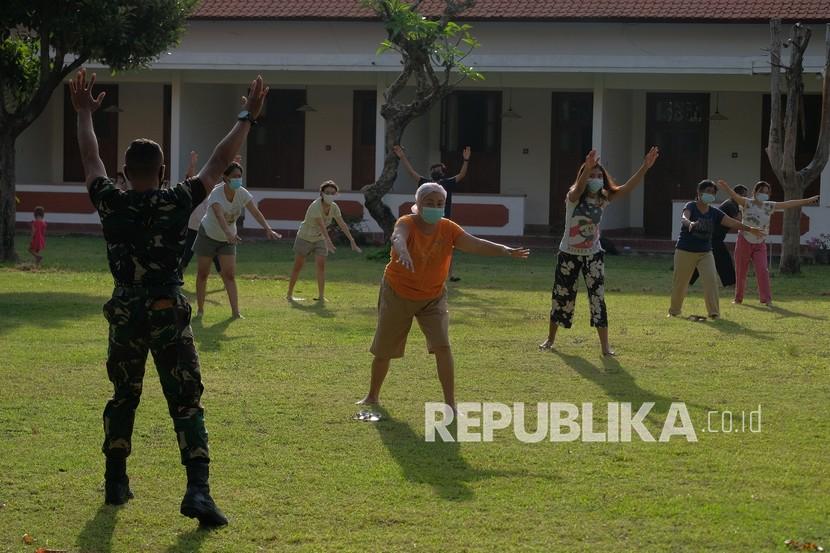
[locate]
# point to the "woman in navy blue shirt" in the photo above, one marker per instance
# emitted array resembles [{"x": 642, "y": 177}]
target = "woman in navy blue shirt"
[{"x": 694, "y": 248}]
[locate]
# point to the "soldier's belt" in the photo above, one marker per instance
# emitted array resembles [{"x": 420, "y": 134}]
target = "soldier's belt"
[{"x": 146, "y": 291}]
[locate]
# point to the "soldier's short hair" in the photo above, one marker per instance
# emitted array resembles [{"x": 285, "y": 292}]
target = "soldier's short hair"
[{"x": 144, "y": 158}]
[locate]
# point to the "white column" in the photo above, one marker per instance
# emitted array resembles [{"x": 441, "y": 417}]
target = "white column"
[
  {"x": 56, "y": 115},
  {"x": 380, "y": 128},
  {"x": 175, "y": 127},
  {"x": 599, "y": 115},
  {"x": 825, "y": 186}
]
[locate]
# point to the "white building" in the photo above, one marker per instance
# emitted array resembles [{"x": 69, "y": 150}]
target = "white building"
[{"x": 692, "y": 78}]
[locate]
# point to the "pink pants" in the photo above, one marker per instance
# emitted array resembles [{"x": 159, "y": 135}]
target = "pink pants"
[{"x": 757, "y": 253}]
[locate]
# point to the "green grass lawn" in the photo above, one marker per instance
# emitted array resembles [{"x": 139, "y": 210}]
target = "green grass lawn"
[{"x": 293, "y": 471}]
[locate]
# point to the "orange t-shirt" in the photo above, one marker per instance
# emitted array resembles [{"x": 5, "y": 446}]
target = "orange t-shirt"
[{"x": 431, "y": 256}]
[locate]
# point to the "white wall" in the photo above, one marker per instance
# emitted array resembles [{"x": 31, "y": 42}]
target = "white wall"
[
  {"x": 636, "y": 201},
  {"x": 143, "y": 115},
  {"x": 527, "y": 174},
  {"x": 330, "y": 125},
  {"x": 739, "y": 134},
  {"x": 39, "y": 149},
  {"x": 615, "y": 154},
  {"x": 208, "y": 113}
]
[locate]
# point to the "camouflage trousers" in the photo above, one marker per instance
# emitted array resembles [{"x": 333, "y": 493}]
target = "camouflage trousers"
[{"x": 139, "y": 324}]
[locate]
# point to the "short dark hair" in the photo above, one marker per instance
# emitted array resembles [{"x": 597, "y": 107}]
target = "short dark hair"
[
  {"x": 706, "y": 183},
  {"x": 233, "y": 167},
  {"x": 144, "y": 158},
  {"x": 39, "y": 211},
  {"x": 741, "y": 189}
]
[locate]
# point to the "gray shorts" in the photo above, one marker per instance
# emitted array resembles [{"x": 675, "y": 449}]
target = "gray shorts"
[
  {"x": 305, "y": 248},
  {"x": 205, "y": 246}
]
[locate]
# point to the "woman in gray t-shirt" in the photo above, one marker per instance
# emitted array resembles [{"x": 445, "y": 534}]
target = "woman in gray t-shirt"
[{"x": 580, "y": 249}]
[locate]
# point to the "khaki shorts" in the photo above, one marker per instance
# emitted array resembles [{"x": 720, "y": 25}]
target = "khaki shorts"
[
  {"x": 395, "y": 319},
  {"x": 205, "y": 246},
  {"x": 305, "y": 248}
]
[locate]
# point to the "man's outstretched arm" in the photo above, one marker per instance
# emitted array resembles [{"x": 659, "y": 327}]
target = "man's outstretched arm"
[
  {"x": 80, "y": 92},
  {"x": 225, "y": 151}
]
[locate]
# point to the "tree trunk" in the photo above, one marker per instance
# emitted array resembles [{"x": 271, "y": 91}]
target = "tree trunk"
[
  {"x": 8, "y": 211},
  {"x": 791, "y": 236},
  {"x": 373, "y": 193}
]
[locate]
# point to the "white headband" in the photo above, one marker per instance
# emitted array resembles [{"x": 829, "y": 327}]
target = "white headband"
[{"x": 426, "y": 189}]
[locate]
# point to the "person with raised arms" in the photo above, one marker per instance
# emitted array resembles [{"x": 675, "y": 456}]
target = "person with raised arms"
[
  {"x": 757, "y": 211},
  {"x": 144, "y": 229},
  {"x": 414, "y": 286},
  {"x": 694, "y": 248},
  {"x": 580, "y": 249}
]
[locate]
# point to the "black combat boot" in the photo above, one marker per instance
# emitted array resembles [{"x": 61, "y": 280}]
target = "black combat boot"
[
  {"x": 116, "y": 483},
  {"x": 197, "y": 502}
]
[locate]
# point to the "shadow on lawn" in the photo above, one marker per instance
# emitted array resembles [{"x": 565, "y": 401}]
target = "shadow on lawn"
[
  {"x": 620, "y": 386},
  {"x": 45, "y": 310},
  {"x": 208, "y": 338},
  {"x": 317, "y": 307},
  {"x": 778, "y": 310},
  {"x": 439, "y": 464},
  {"x": 190, "y": 542},
  {"x": 96, "y": 537}
]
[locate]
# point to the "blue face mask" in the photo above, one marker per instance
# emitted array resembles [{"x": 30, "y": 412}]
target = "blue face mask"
[
  {"x": 431, "y": 214},
  {"x": 707, "y": 198},
  {"x": 236, "y": 184},
  {"x": 761, "y": 197},
  {"x": 594, "y": 185}
]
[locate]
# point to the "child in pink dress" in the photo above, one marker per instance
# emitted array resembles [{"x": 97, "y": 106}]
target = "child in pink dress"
[{"x": 38, "y": 235}]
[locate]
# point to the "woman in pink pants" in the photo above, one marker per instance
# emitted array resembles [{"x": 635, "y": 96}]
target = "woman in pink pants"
[{"x": 756, "y": 211}]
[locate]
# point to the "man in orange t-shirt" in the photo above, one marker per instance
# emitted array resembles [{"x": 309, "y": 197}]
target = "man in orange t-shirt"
[{"x": 413, "y": 286}]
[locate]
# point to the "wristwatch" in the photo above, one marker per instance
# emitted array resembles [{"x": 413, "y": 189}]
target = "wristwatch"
[{"x": 245, "y": 115}]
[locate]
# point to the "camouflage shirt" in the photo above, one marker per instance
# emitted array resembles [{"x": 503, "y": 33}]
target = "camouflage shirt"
[{"x": 145, "y": 231}]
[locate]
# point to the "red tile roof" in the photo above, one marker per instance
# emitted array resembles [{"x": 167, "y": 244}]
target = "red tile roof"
[{"x": 653, "y": 10}]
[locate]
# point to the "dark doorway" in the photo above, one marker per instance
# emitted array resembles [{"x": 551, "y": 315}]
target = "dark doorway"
[
  {"x": 473, "y": 119},
  {"x": 105, "y": 121},
  {"x": 572, "y": 117},
  {"x": 805, "y": 147},
  {"x": 276, "y": 145},
  {"x": 679, "y": 125},
  {"x": 364, "y": 124}
]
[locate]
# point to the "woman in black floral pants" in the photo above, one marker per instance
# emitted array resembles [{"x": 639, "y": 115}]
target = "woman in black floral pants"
[{"x": 580, "y": 250}]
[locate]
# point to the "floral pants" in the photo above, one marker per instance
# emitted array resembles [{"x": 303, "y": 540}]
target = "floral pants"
[{"x": 568, "y": 267}]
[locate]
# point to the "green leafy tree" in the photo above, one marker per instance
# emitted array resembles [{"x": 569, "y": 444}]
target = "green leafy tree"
[
  {"x": 42, "y": 41},
  {"x": 784, "y": 127},
  {"x": 432, "y": 53}
]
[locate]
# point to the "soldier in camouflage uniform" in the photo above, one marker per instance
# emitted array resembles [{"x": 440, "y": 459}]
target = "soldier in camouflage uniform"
[{"x": 144, "y": 229}]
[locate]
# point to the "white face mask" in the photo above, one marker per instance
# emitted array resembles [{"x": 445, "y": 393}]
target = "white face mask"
[
  {"x": 328, "y": 198},
  {"x": 761, "y": 197}
]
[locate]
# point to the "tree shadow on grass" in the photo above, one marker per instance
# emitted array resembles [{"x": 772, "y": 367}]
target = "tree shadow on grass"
[
  {"x": 46, "y": 310},
  {"x": 439, "y": 464},
  {"x": 96, "y": 537},
  {"x": 620, "y": 386}
]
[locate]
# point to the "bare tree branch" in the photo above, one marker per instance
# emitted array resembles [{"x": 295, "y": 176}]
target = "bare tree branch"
[{"x": 814, "y": 169}]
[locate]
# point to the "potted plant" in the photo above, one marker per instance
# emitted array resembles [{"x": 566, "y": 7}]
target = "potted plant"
[{"x": 820, "y": 246}]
